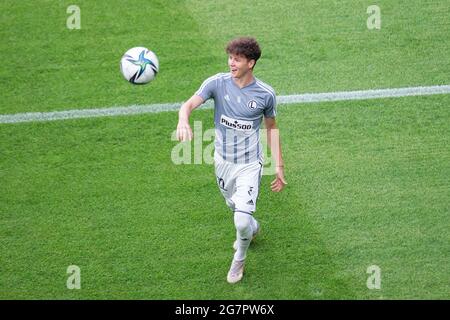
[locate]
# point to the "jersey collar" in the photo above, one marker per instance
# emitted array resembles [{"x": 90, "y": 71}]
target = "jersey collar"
[{"x": 250, "y": 84}]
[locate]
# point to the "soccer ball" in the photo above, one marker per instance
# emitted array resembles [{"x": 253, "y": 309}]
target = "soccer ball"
[{"x": 139, "y": 65}]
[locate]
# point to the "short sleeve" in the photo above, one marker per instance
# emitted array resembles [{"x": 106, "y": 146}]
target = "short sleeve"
[
  {"x": 208, "y": 88},
  {"x": 270, "y": 110}
]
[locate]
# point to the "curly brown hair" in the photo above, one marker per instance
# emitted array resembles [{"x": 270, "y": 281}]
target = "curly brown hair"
[{"x": 245, "y": 46}]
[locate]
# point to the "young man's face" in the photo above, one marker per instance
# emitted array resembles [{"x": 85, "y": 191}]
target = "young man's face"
[{"x": 239, "y": 65}]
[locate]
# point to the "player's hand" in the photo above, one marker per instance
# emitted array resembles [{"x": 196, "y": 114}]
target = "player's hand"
[
  {"x": 184, "y": 131},
  {"x": 278, "y": 184}
]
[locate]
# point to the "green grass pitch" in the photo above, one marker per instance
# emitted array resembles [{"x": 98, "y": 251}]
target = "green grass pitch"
[{"x": 368, "y": 180}]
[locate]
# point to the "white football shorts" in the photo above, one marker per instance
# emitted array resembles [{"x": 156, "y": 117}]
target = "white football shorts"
[{"x": 239, "y": 184}]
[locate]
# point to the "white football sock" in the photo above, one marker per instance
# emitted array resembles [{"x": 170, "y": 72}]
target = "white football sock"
[{"x": 244, "y": 233}]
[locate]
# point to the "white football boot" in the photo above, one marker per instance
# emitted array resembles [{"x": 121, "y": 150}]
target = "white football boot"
[{"x": 236, "y": 271}]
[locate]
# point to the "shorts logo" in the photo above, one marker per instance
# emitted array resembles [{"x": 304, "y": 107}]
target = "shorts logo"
[
  {"x": 252, "y": 104},
  {"x": 236, "y": 124},
  {"x": 221, "y": 183}
]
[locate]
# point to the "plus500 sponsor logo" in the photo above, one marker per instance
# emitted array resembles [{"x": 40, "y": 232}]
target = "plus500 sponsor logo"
[{"x": 236, "y": 124}]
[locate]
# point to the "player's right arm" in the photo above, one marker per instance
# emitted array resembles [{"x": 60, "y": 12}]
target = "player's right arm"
[
  {"x": 184, "y": 131},
  {"x": 206, "y": 91}
]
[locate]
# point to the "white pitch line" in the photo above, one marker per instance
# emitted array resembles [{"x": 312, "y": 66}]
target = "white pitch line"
[
  {"x": 289, "y": 99},
  {"x": 363, "y": 94}
]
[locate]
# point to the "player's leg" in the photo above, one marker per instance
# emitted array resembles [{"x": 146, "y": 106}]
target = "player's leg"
[
  {"x": 256, "y": 229},
  {"x": 225, "y": 181},
  {"x": 245, "y": 197},
  {"x": 244, "y": 233}
]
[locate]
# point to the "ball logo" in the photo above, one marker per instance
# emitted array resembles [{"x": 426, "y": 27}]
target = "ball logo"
[{"x": 252, "y": 104}]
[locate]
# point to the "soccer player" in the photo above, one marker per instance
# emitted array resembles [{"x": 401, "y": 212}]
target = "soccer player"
[{"x": 241, "y": 102}]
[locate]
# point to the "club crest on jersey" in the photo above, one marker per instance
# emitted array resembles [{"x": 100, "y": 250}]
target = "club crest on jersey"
[
  {"x": 240, "y": 125},
  {"x": 252, "y": 104}
]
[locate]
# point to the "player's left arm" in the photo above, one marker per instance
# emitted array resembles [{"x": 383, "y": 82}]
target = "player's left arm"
[{"x": 273, "y": 139}]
